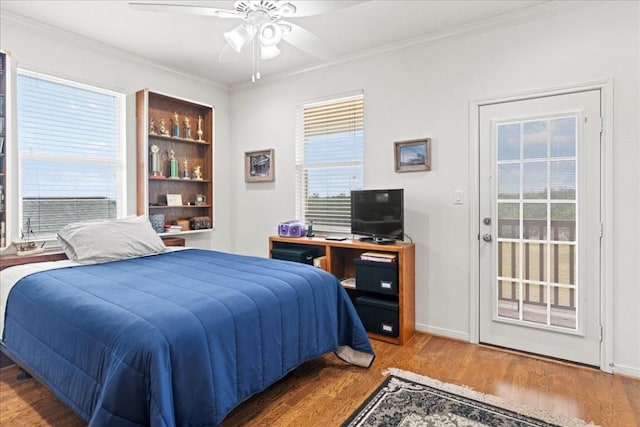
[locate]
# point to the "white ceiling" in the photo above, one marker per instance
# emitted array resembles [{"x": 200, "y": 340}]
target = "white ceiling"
[{"x": 192, "y": 44}]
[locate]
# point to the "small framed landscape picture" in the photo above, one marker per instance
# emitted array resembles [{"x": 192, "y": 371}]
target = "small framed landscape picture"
[
  {"x": 414, "y": 155},
  {"x": 174, "y": 199},
  {"x": 259, "y": 166}
]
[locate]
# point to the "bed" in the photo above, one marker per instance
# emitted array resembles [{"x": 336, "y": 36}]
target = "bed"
[{"x": 175, "y": 338}]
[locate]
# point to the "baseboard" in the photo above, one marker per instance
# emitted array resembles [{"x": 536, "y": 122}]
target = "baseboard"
[
  {"x": 628, "y": 371},
  {"x": 456, "y": 335}
]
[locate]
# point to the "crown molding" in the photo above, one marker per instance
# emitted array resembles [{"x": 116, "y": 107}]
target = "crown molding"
[
  {"x": 36, "y": 27},
  {"x": 505, "y": 20}
]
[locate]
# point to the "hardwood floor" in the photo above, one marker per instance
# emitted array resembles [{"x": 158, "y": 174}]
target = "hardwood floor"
[{"x": 323, "y": 392}]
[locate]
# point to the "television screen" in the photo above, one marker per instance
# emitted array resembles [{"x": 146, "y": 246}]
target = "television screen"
[{"x": 378, "y": 214}]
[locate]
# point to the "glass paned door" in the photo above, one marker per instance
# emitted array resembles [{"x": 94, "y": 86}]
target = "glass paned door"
[{"x": 540, "y": 223}]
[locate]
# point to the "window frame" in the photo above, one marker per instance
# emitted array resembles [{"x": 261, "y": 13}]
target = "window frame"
[
  {"x": 120, "y": 163},
  {"x": 302, "y": 166}
]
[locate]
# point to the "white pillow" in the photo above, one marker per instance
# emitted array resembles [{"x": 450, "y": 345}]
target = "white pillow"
[{"x": 109, "y": 240}]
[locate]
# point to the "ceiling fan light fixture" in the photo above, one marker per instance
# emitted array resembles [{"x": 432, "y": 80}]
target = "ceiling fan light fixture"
[
  {"x": 240, "y": 36},
  {"x": 268, "y": 52},
  {"x": 287, "y": 9},
  {"x": 270, "y": 34}
]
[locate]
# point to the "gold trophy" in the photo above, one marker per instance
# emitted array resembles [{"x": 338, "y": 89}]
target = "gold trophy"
[
  {"x": 200, "y": 132},
  {"x": 197, "y": 173},
  {"x": 152, "y": 126},
  {"x": 163, "y": 128}
]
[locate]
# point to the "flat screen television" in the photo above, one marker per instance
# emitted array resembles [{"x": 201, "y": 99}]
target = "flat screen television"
[{"x": 378, "y": 215}]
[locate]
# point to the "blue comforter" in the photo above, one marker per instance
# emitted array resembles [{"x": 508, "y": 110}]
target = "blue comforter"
[{"x": 176, "y": 339}]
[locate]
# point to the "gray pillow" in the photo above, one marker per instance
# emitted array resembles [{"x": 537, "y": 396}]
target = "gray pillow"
[{"x": 91, "y": 242}]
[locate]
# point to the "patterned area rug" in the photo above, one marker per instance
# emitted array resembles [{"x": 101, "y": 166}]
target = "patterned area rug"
[{"x": 406, "y": 399}]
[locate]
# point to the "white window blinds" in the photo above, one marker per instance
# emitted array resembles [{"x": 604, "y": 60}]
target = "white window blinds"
[
  {"x": 329, "y": 153},
  {"x": 70, "y": 149}
]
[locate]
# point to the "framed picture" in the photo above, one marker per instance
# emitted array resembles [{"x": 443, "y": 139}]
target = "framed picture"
[
  {"x": 414, "y": 155},
  {"x": 259, "y": 166},
  {"x": 201, "y": 200},
  {"x": 174, "y": 199}
]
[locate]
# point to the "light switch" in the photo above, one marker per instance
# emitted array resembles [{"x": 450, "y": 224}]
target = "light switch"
[{"x": 457, "y": 197}]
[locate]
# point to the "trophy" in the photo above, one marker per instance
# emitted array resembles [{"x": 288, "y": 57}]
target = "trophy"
[
  {"x": 197, "y": 173},
  {"x": 163, "y": 128},
  {"x": 174, "y": 165},
  {"x": 152, "y": 126},
  {"x": 200, "y": 132},
  {"x": 155, "y": 162},
  {"x": 185, "y": 170},
  {"x": 175, "y": 125},
  {"x": 187, "y": 128}
]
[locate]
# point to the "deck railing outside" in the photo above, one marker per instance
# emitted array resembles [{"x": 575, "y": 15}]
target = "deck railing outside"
[{"x": 563, "y": 261}]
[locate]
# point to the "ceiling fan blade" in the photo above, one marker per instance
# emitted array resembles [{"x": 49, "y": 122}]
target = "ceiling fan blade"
[
  {"x": 189, "y": 9},
  {"x": 306, "y": 41},
  {"x": 310, "y": 8}
]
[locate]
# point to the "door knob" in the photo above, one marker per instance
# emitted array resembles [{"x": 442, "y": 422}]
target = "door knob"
[
  {"x": 486, "y": 221},
  {"x": 486, "y": 237}
]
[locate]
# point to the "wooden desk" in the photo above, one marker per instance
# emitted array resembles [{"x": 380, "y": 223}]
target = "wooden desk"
[{"x": 338, "y": 259}]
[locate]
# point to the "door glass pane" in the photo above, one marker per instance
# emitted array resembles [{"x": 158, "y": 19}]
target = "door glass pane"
[
  {"x": 509, "y": 259},
  {"x": 509, "y": 181},
  {"x": 534, "y": 180},
  {"x": 563, "y": 307},
  {"x": 563, "y": 179},
  {"x": 534, "y": 304},
  {"x": 563, "y": 222},
  {"x": 534, "y": 261},
  {"x": 508, "y": 299},
  {"x": 509, "y": 220},
  {"x": 509, "y": 141},
  {"x": 563, "y": 264},
  {"x": 563, "y": 137},
  {"x": 534, "y": 221},
  {"x": 534, "y": 139}
]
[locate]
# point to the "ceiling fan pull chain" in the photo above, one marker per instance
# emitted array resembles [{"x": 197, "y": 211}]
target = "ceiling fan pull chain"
[
  {"x": 253, "y": 61},
  {"x": 258, "y": 61}
]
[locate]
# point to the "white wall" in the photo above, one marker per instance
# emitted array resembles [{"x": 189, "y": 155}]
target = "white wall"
[
  {"x": 425, "y": 91},
  {"x": 66, "y": 56}
]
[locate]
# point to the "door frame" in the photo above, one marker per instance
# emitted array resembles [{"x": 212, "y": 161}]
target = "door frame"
[{"x": 606, "y": 207}]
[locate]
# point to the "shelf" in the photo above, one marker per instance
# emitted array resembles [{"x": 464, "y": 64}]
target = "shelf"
[
  {"x": 195, "y": 181},
  {"x": 181, "y": 207},
  {"x": 178, "y": 233},
  {"x": 177, "y": 139}
]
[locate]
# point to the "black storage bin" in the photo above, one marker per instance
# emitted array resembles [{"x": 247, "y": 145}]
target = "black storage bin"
[
  {"x": 303, "y": 255},
  {"x": 378, "y": 315},
  {"x": 380, "y": 277}
]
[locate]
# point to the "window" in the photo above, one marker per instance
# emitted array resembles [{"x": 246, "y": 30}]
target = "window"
[
  {"x": 329, "y": 154},
  {"x": 71, "y": 152}
]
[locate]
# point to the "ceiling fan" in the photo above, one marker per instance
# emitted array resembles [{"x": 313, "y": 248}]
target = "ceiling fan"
[{"x": 263, "y": 26}]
